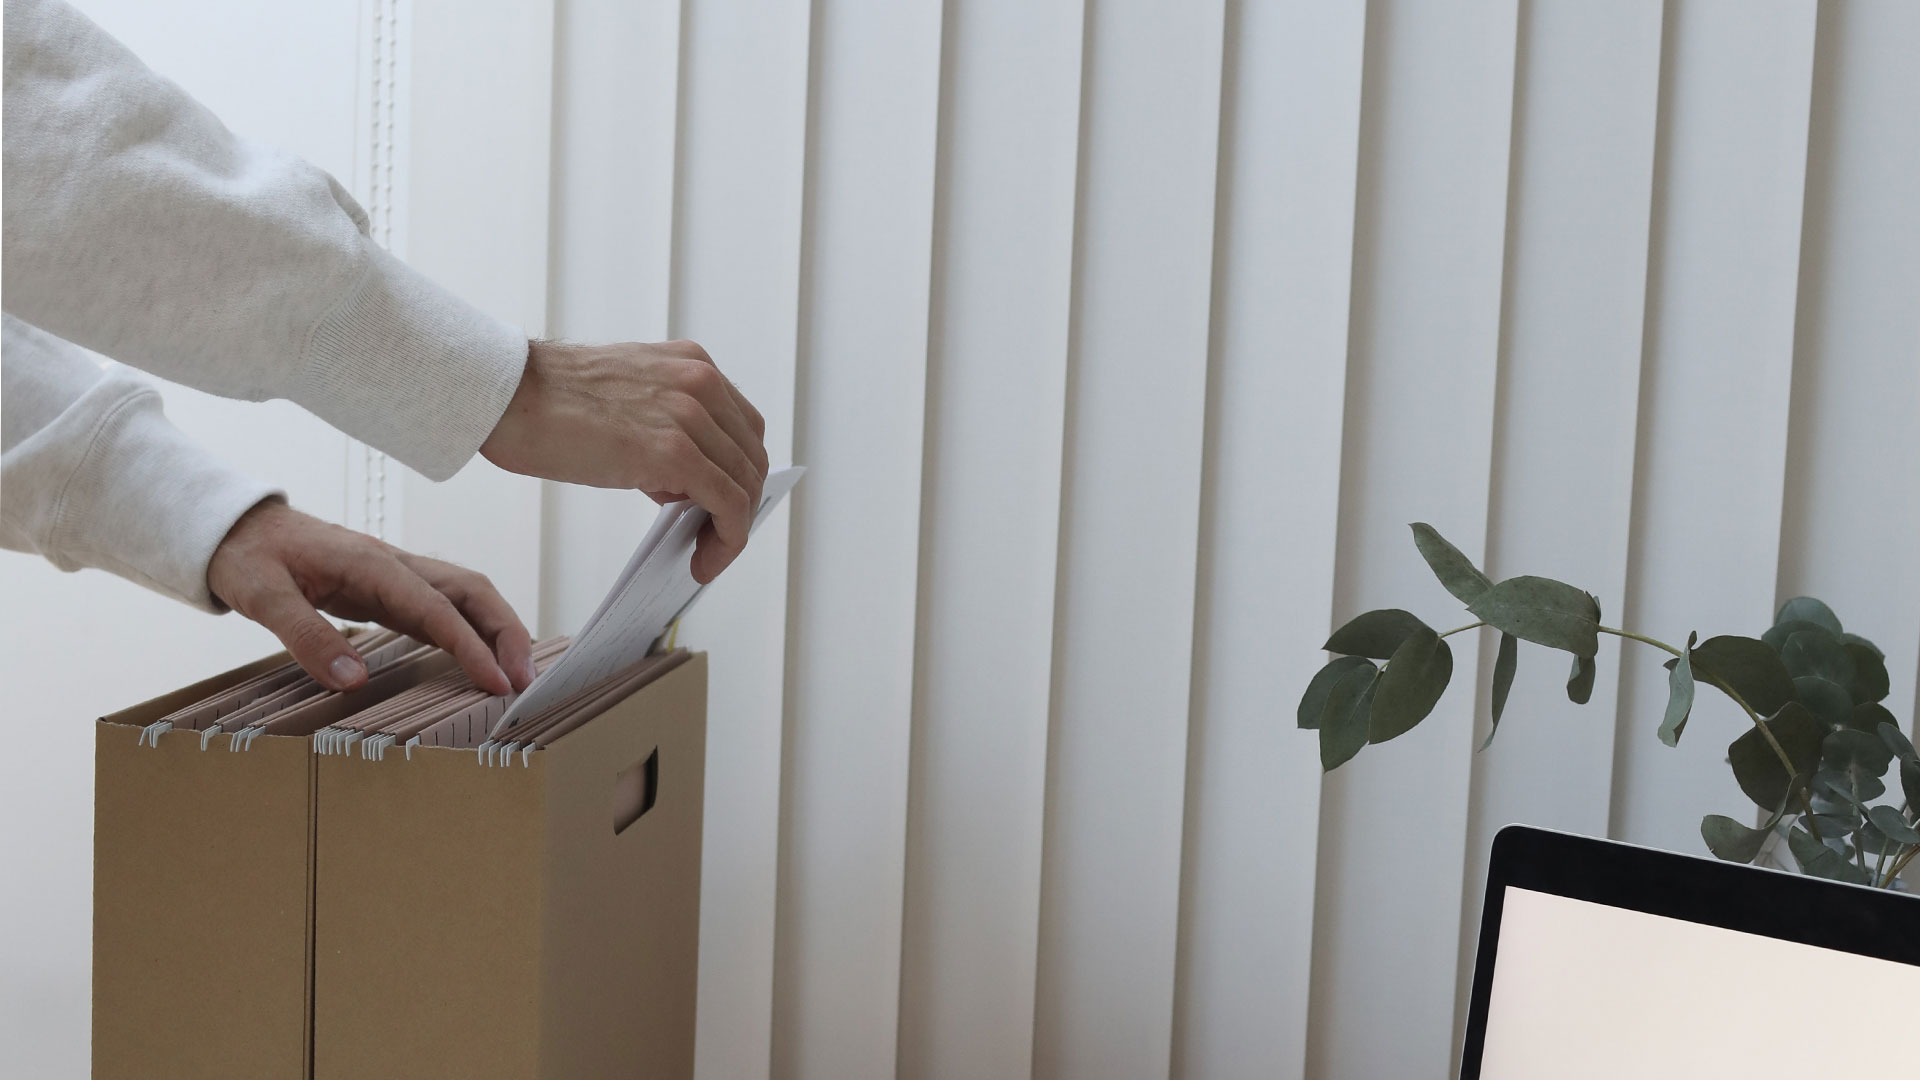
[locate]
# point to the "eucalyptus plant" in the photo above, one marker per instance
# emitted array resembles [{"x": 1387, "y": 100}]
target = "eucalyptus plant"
[{"x": 1815, "y": 760}]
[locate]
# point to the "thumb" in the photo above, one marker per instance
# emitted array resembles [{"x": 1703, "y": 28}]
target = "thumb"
[{"x": 312, "y": 641}]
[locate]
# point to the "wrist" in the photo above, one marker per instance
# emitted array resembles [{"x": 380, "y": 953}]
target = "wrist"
[
  {"x": 504, "y": 445},
  {"x": 247, "y": 533}
]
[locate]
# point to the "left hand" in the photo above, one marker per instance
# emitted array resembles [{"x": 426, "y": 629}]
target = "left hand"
[{"x": 281, "y": 568}]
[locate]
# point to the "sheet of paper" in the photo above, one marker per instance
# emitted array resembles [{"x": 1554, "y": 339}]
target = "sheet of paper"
[{"x": 656, "y": 586}]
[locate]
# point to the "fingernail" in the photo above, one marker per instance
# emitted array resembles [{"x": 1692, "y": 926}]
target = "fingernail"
[
  {"x": 531, "y": 674},
  {"x": 346, "y": 671}
]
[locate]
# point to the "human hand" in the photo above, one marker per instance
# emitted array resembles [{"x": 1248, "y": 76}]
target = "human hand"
[
  {"x": 281, "y": 568},
  {"x": 658, "y": 418}
]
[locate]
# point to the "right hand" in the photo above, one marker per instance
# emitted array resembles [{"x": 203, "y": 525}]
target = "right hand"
[
  {"x": 281, "y": 568},
  {"x": 657, "y": 418}
]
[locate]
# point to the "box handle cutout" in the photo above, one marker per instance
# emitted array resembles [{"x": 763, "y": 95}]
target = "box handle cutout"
[{"x": 635, "y": 790}]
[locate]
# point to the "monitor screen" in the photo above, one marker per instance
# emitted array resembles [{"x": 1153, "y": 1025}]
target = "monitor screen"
[{"x": 1584, "y": 990}]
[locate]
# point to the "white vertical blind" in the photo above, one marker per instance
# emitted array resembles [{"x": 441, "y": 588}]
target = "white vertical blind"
[
  {"x": 1125, "y": 343},
  {"x": 1848, "y": 527},
  {"x": 996, "y": 386},
  {"x": 614, "y": 121},
  {"x": 1724, "y": 267},
  {"x": 736, "y": 289},
  {"x": 1587, "y": 92},
  {"x": 478, "y": 151},
  {"x": 1086, "y": 525},
  {"x": 858, "y": 425},
  {"x": 1110, "y": 882},
  {"x": 1284, "y": 235},
  {"x": 1429, "y": 236}
]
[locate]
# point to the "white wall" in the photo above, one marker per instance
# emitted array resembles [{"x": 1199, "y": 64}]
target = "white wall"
[{"x": 1123, "y": 341}]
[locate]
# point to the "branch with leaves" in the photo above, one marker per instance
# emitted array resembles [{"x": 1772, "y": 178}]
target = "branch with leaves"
[{"x": 1815, "y": 759}]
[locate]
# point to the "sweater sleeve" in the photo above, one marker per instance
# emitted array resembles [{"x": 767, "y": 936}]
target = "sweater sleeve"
[
  {"x": 93, "y": 475},
  {"x": 138, "y": 226}
]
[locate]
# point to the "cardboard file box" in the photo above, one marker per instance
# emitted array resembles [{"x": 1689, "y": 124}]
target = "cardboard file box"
[
  {"x": 202, "y": 899},
  {"x": 537, "y": 917},
  {"x": 273, "y": 913}
]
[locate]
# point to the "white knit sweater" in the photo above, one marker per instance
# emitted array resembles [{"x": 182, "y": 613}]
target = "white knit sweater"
[{"x": 139, "y": 227}]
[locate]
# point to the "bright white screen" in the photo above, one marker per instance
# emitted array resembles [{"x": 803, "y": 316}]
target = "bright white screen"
[{"x": 1582, "y": 990}]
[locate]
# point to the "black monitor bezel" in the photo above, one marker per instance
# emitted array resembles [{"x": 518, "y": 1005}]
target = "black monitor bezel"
[{"x": 1773, "y": 903}]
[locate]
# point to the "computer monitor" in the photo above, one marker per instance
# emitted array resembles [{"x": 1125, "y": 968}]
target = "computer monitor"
[{"x": 1603, "y": 960}]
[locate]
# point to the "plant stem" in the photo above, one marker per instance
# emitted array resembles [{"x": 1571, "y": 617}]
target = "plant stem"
[
  {"x": 1642, "y": 639},
  {"x": 1805, "y": 793},
  {"x": 1459, "y": 629},
  {"x": 1801, "y": 790},
  {"x": 1899, "y": 865},
  {"x": 1779, "y": 751}
]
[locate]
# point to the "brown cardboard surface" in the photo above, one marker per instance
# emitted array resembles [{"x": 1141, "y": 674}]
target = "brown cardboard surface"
[
  {"x": 621, "y": 925},
  {"x": 200, "y": 913},
  {"x": 426, "y": 884},
  {"x": 203, "y": 893},
  {"x": 482, "y": 922}
]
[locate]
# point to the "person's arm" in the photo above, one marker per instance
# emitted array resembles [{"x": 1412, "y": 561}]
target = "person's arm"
[
  {"x": 93, "y": 475},
  {"x": 138, "y": 226}
]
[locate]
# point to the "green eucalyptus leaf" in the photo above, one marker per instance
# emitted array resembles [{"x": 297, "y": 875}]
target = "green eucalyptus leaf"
[
  {"x": 1679, "y": 696},
  {"x": 1889, "y": 822},
  {"x": 1757, "y": 768},
  {"x": 1745, "y": 667},
  {"x": 1830, "y": 788},
  {"x": 1819, "y": 860},
  {"x": 1871, "y": 717},
  {"x": 1805, "y": 848},
  {"x": 1314, "y": 702},
  {"x": 1855, "y": 753},
  {"x": 1823, "y": 801},
  {"x": 1343, "y": 724},
  {"x": 1870, "y": 681},
  {"x": 1874, "y": 842},
  {"x": 1807, "y": 609},
  {"x": 1819, "y": 654},
  {"x": 1777, "y": 634},
  {"x": 1580, "y": 680},
  {"x": 1503, "y": 668},
  {"x": 1455, "y": 571},
  {"x": 1910, "y": 781},
  {"x": 1849, "y": 790},
  {"x": 1836, "y": 826},
  {"x": 1856, "y": 639},
  {"x": 1374, "y": 634},
  {"x": 1411, "y": 685},
  {"x": 1543, "y": 611},
  {"x": 1825, "y": 700},
  {"x": 1730, "y": 840},
  {"x": 1897, "y": 740}
]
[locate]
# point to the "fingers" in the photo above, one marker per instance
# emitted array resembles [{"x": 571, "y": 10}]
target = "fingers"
[
  {"x": 754, "y": 420},
  {"x": 322, "y": 651},
  {"x": 483, "y": 606},
  {"x": 417, "y": 609},
  {"x": 711, "y": 555},
  {"x": 713, "y": 444},
  {"x": 715, "y": 490},
  {"x": 729, "y": 434},
  {"x": 725, "y": 410},
  {"x": 723, "y": 404}
]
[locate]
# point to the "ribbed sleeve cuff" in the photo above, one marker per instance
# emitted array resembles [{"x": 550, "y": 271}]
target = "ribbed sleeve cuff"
[
  {"x": 408, "y": 368},
  {"x": 150, "y": 505}
]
